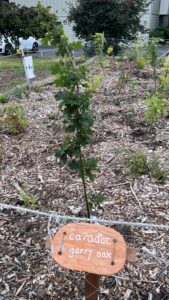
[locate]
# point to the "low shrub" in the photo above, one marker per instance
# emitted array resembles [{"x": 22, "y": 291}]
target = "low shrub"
[
  {"x": 140, "y": 62},
  {"x": 4, "y": 98},
  {"x": 161, "y": 33},
  {"x": 28, "y": 200},
  {"x": 95, "y": 83},
  {"x": 20, "y": 91},
  {"x": 156, "y": 108},
  {"x": 13, "y": 119},
  {"x": 136, "y": 164},
  {"x": 157, "y": 171}
]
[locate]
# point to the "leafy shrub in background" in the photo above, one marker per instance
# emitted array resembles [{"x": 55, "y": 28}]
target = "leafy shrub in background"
[
  {"x": 161, "y": 33},
  {"x": 99, "y": 42},
  {"x": 13, "y": 119},
  {"x": 117, "y": 19}
]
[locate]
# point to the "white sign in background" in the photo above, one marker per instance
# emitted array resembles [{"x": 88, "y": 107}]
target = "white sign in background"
[{"x": 28, "y": 65}]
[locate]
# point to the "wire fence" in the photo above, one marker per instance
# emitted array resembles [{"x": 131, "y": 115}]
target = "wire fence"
[{"x": 29, "y": 272}]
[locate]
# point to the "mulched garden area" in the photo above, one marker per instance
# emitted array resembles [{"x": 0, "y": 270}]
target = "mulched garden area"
[{"x": 26, "y": 268}]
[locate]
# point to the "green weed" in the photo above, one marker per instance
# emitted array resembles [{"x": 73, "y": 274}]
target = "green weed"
[
  {"x": 136, "y": 164},
  {"x": 140, "y": 62},
  {"x": 95, "y": 83},
  {"x": 20, "y": 91},
  {"x": 156, "y": 170},
  {"x": 156, "y": 108},
  {"x": 13, "y": 119},
  {"x": 28, "y": 199},
  {"x": 4, "y": 98}
]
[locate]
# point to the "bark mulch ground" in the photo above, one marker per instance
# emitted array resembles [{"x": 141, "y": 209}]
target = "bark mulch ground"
[{"x": 26, "y": 268}]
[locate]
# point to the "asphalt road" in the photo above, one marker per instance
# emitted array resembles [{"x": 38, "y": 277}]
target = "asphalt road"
[
  {"x": 45, "y": 52},
  {"x": 51, "y": 52}
]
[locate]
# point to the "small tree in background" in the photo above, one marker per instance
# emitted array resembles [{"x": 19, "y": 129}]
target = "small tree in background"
[
  {"x": 20, "y": 21},
  {"x": 117, "y": 19}
]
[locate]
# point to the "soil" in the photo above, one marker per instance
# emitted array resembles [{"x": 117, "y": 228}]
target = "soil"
[{"x": 26, "y": 267}]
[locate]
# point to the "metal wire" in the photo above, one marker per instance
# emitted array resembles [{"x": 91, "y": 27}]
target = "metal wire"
[{"x": 69, "y": 218}]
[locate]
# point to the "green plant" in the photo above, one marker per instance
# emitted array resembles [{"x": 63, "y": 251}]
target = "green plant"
[
  {"x": 20, "y": 91},
  {"x": 13, "y": 118},
  {"x": 117, "y": 19},
  {"x": 110, "y": 51},
  {"x": 152, "y": 49},
  {"x": 136, "y": 164},
  {"x": 1, "y": 153},
  {"x": 140, "y": 62},
  {"x": 156, "y": 171},
  {"x": 4, "y": 98},
  {"x": 36, "y": 88},
  {"x": 28, "y": 199},
  {"x": 156, "y": 108},
  {"x": 95, "y": 82},
  {"x": 74, "y": 97},
  {"x": 122, "y": 80},
  {"x": 161, "y": 33},
  {"x": 96, "y": 201},
  {"x": 99, "y": 42}
]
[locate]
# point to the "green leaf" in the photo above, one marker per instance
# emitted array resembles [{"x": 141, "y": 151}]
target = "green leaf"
[{"x": 74, "y": 164}]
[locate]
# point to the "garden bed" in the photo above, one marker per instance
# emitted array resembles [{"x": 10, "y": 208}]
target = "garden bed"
[{"x": 28, "y": 272}]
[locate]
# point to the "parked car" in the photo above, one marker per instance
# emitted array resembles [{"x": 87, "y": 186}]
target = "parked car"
[{"x": 30, "y": 44}]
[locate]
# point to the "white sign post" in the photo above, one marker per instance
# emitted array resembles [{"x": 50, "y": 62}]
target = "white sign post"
[{"x": 28, "y": 67}]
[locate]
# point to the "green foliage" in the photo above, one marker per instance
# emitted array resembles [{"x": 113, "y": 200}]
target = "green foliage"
[
  {"x": 2, "y": 151},
  {"x": 156, "y": 108},
  {"x": 13, "y": 119},
  {"x": 162, "y": 33},
  {"x": 152, "y": 51},
  {"x": 74, "y": 99},
  {"x": 4, "y": 98},
  {"x": 36, "y": 88},
  {"x": 22, "y": 21},
  {"x": 136, "y": 164},
  {"x": 110, "y": 51},
  {"x": 28, "y": 199},
  {"x": 156, "y": 171},
  {"x": 20, "y": 91},
  {"x": 117, "y": 19},
  {"x": 96, "y": 201},
  {"x": 140, "y": 62},
  {"x": 99, "y": 42},
  {"x": 165, "y": 68},
  {"x": 95, "y": 82}
]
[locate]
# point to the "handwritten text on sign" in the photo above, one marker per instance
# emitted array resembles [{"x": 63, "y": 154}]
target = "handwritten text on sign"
[{"x": 91, "y": 248}]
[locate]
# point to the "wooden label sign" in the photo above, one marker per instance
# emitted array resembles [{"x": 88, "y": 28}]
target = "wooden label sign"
[{"x": 90, "y": 248}]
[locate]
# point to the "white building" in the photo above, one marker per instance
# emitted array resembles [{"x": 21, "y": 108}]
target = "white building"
[
  {"x": 151, "y": 18},
  {"x": 164, "y": 13},
  {"x": 157, "y": 13}
]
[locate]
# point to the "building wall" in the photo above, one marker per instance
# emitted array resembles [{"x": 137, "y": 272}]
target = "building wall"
[{"x": 151, "y": 18}]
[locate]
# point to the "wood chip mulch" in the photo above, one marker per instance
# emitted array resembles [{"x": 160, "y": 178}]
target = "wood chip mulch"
[{"x": 27, "y": 270}]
